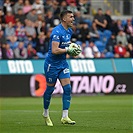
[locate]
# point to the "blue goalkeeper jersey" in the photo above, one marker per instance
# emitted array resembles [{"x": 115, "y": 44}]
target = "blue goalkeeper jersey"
[{"x": 63, "y": 36}]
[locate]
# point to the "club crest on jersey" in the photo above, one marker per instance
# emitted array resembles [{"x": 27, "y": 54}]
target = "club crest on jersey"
[{"x": 66, "y": 70}]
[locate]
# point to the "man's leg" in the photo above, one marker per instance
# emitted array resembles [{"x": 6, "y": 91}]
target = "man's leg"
[
  {"x": 51, "y": 77},
  {"x": 46, "y": 103},
  {"x": 66, "y": 99},
  {"x": 47, "y": 98}
]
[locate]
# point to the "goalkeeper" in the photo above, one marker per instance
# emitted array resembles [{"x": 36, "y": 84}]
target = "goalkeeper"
[{"x": 56, "y": 66}]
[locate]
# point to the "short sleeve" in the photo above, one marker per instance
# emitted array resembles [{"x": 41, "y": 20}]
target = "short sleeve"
[{"x": 55, "y": 36}]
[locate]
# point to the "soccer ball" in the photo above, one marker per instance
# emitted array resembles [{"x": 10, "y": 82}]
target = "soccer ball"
[{"x": 75, "y": 48}]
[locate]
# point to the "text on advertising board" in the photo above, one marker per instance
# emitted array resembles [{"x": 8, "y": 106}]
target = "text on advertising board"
[
  {"x": 80, "y": 84},
  {"x": 82, "y": 66},
  {"x": 20, "y": 66}
]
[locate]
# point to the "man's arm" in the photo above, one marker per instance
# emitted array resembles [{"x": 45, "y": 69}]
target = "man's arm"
[
  {"x": 101, "y": 24},
  {"x": 105, "y": 23},
  {"x": 98, "y": 23},
  {"x": 56, "y": 49}
]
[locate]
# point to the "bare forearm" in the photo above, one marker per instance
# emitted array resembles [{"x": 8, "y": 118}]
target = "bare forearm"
[
  {"x": 58, "y": 51},
  {"x": 98, "y": 23}
]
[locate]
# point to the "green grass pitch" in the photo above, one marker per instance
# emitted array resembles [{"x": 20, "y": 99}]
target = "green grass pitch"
[{"x": 93, "y": 114}]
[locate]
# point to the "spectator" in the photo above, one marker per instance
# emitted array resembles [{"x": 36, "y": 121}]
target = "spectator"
[
  {"x": 100, "y": 20},
  {"x": 32, "y": 15},
  {"x": 18, "y": 5},
  {"x": 130, "y": 40},
  {"x": 2, "y": 20},
  {"x": 30, "y": 29},
  {"x": 31, "y": 2},
  {"x": 129, "y": 28},
  {"x": 94, "y": 34},
  {"x": 121, "y": 37},
  {"x": 40, "y": 18},
  {"x": 48, "y": 6},
  {"x": 63, "y": 5},
  {"x": 42, "y": 47},
  {"x": 2, "y": 38},
  {"x": 72, "y": 6},
  {"x": 41, "y": 27},
  {"x": 20, "y": 16},
  {"x": 1, "y": 3},
  {"x": 10, "y": 31},
  {"x": 78, "y": 18},
  {"x": 47, "y": 39},
  {"x": 20, "y": 52},
  {"x": 9, "y": 17},
  {"x": 74, "y": 37},
  {"x": 119, "y": 50},
  {"x": 38, "y": 5},
  {"x": 84, "y": 7},
  {"x": 2, "y": 45},
  {"x": 29, "y": 40},
  {"x": 36, "y": 31},
  {"x": 9, "y": 52},
  {"x": 130, "y": 50},
  {"x": 7, "y": 6},
  {"x": 84, "y": 32},
  {"x": 111, "y": 43},
  {"x": 110, "y": 22},
  {"x": 118, "y": 26},
  {"x": 71, "y": 1},
  {"x": 27, "y": 7},
  {"x": 56, "y": 9},
  {"x": 92, "y": 51},
  {"x": 20, "y": 31},
  {"x": 40, "y": 24},
  {"x": 3, "y": 51},
  {"x": 49, "y": 19},
  {"x": 13, "y": 42},
  {"x": 31, "y": 52}
]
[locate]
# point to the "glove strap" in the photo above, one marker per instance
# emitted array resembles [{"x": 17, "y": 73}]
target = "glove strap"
[{"x": 66, "y": 49}]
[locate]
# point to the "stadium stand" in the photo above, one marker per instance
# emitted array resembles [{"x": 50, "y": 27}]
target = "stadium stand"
[{"x": 31, "y": 22}]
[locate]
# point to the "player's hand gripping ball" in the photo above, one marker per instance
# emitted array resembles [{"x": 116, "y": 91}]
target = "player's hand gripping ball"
[{"x": 73, "y": 49}]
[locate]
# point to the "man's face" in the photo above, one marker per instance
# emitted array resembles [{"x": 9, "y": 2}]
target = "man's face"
[
  {"x": 100, "y": 12},
  {"x": 91, "y": 44},
  {"x": 20, "y": 12},
  {"x": 1, "y": 33},
  {"x": 69, "y": 19},
  {"x": 1, "y": 13}
]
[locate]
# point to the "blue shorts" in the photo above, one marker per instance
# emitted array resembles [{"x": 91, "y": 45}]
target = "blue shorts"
[{"x": 52, "y": 72}]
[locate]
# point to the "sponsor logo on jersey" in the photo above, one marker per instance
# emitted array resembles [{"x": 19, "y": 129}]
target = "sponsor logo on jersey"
[
  {"x": 56, "y": 37},
  {"x": 65, "y": 43}
]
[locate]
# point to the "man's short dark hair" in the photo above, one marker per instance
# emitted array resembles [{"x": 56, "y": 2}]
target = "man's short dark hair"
[
  {"x": 19, "y": 9},
  {"x": 99, "y": 9},
  {"x": 63, "y": 13}
]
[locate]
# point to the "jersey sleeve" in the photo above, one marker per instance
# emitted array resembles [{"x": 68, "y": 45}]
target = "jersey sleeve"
[{"x": 55, "y": 36}]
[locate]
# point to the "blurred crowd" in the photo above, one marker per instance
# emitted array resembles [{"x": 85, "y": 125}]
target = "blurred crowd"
[{"x": 26, "y": 25}]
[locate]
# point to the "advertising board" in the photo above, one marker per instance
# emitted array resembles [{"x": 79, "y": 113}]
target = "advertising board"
[
  {"x": 35, "y": 85},
  {"x": 77, "y": 66}
]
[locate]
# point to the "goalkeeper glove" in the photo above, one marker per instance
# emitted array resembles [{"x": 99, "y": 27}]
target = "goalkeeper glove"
[{"x": 73, "y": 49}]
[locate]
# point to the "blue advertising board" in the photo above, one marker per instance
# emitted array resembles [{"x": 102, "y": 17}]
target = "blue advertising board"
[{"x": 77, "y": 66}]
